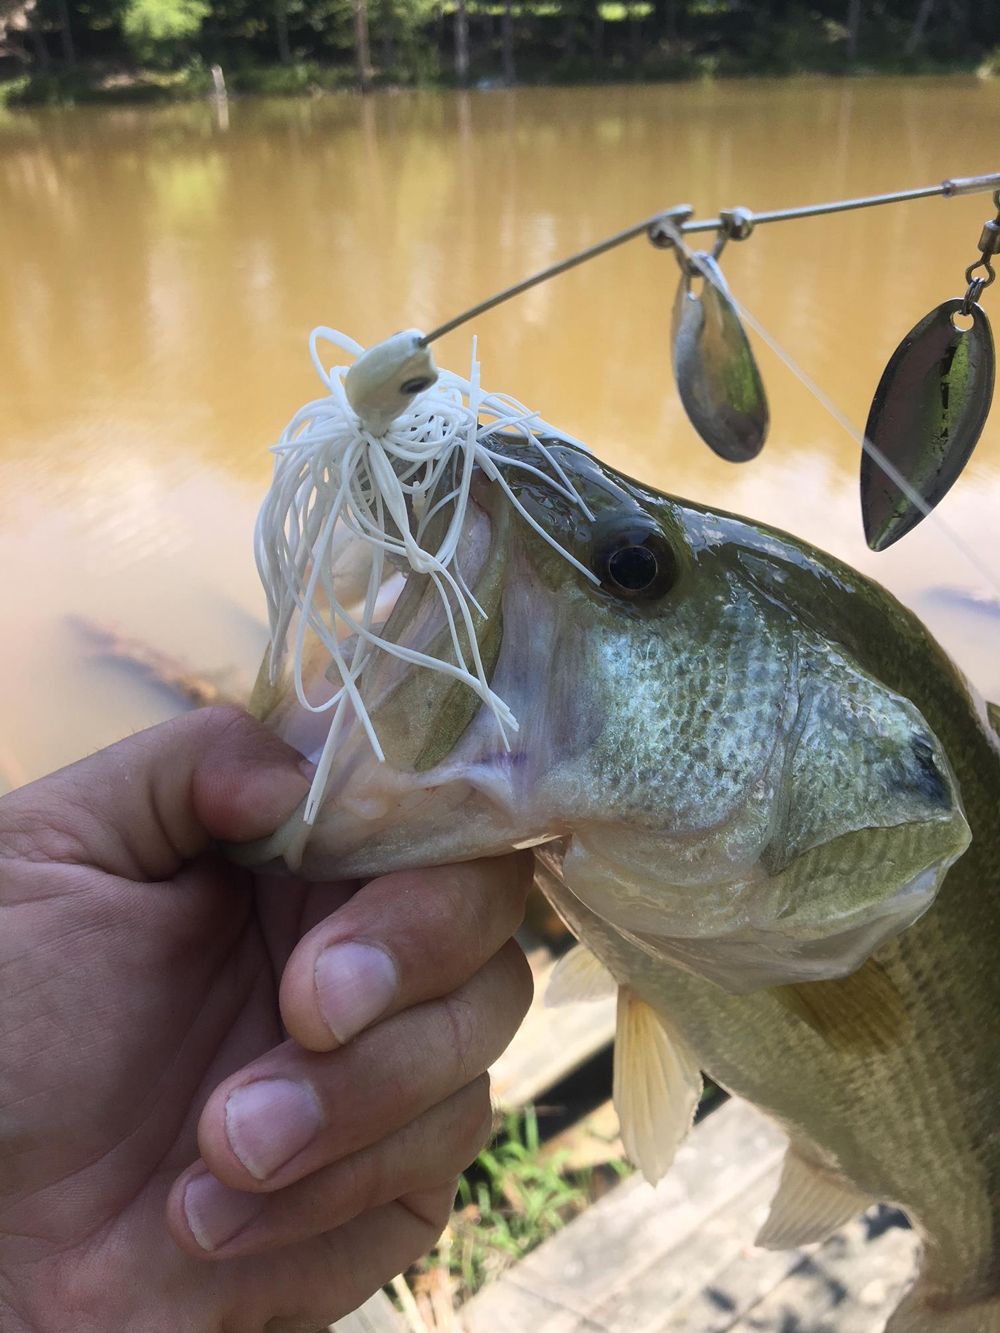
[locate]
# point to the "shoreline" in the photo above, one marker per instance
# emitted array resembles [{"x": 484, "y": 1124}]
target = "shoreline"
[{"x": 101, "y": 86}]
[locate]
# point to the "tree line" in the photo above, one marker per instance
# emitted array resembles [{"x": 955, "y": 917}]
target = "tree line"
[{"x": 367, "y": 42}]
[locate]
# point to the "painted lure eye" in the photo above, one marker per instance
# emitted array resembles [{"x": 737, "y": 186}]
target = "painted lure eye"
[{"x": 635, "y": 563}]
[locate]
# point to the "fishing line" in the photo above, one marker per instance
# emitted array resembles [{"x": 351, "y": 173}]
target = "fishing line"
[
  {"x": 932, "y": 400},
  {"x": 393, "y": 447},
  {"x": 876, "y": 454},
  {"x": 679, "y": 218}
]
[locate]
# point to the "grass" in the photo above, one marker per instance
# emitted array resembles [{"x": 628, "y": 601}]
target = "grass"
[{"x": 514, "y": 1197}]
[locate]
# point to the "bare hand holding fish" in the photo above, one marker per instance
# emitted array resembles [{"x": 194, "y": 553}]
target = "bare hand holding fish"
[{"x": 142, "y": 1031}]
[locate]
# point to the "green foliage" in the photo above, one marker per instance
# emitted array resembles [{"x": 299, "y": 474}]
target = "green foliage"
[
  {"x": 301, "y": 78},
  {"x": 67, "y": 88},
  {"x": 12, "y": 91},
  {"x": 155, "y": 29},
  {"x": 514, "y": 1197},
  {"x": 303, "y": 47}
]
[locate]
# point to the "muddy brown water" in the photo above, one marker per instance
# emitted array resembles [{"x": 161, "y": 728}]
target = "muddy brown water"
[{"x": 161, "y": 274}]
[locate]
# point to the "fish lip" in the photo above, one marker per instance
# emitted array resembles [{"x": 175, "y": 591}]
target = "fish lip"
[
  {"x": 479, "y": 792},
  {"x": 485, "y": 495}
]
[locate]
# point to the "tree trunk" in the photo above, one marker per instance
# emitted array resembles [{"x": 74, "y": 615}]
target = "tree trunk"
[
  {"x": 361, "y": 46},
  {"x": 281, "y": 25},
  {"x": 66, "y": 33},
  {"x": 461, "y": 44},
  {"x": 596, "y": 29},
  {"x": 959, "y": 27},
  {"x": 853, "y": 26},
  {"x": 634, "y": 34},
  {"x": 569, "y": 32},
  {"x": 597, "y": 34},
  {"x": 507, "y": 36},
  {"x": 41, "y": 50},
  {"x": 388, "y": 36},
  {"x": 919, "y": 24},
  {"x": 664, "y": 18}
]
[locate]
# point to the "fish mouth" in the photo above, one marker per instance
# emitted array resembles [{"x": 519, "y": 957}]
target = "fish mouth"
[{"x": 452, "y": 785}]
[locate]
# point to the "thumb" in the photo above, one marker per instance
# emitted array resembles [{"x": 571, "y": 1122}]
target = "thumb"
[{"x": 143, "y": 807}]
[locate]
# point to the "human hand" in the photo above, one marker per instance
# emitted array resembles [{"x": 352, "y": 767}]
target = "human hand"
[{"x": 172, "y": 1158}]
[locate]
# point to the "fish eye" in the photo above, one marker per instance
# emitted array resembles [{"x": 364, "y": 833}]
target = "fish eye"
[
  {"x": 417, "y": 385},
  {"x": 635, "y": 563}
]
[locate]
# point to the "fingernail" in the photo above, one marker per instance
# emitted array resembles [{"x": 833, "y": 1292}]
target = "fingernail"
[
  {"x": 269, "y": 1121},
  {"x": 355, "y": 983},
  {"x": 214, "y": 1213}
]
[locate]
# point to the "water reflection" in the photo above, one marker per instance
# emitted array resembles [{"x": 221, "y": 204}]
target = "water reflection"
[{"x": 163, "y": 274}]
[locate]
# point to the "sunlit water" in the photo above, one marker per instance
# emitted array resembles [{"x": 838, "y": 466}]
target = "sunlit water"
[{"x": 160, "y": 276}]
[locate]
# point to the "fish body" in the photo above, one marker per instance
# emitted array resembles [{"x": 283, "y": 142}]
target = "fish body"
[
  {"x": 913, "y": 1123},
  {"x": 767, "y": 803}
]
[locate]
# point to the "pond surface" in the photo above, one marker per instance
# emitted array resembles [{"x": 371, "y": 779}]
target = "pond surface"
[{"x": 161, "y": 275}]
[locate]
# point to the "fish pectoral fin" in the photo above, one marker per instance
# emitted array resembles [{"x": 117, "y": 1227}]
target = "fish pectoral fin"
[
  {"x": 657, "y": 1086},
  {"x": 577, "y": 976},
  {"x": 862, "y": 1013},
  {"x": 809, "y": 1206}
]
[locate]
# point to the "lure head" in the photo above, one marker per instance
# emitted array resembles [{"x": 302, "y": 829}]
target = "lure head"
[
  {"x": 719, "y": 726},
  {"x": 383, "y": 382}
]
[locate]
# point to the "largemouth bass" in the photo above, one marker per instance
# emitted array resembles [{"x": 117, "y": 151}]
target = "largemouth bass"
[{"x": 767, "y": 804}]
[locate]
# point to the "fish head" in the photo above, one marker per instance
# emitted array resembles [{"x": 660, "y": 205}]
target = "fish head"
[{"x": 712, "y": 727}]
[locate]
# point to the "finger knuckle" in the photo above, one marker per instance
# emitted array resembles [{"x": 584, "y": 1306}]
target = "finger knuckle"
[
  {"x": 473, "y": 1122},
  {"x": 222, "y": 731},
  {"x": 439, "y": 1215},
  {"x": 222, "y": 722},
  {"x": 520, "y": 985},
  {"x": 365, "y": 1183},
  {"x": 55, "y": 832},
  {"x": 465, "y": 1033},
  {"x": 489, "y": 897},
  {"x": 480, "y": 1018},
  {"x": 432, "y": 1208}
]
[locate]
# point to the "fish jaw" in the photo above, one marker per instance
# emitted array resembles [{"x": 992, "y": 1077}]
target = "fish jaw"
[{"x": 488, "y": 795}]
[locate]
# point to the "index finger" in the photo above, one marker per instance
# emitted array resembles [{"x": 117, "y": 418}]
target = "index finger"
[
  {"x": 411, "y": 936},
  {"x": 142, "y": 807}
]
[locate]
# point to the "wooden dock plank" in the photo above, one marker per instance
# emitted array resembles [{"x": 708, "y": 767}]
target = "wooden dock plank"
[
  {"x": 681, "y": 1259},
  {"x": 736, "y": 1287},
  {"x": 550, "y": 1044},
  {"x": 847, "y": 1285},
  {"x": 712, "y": 1277},
  {"x": 588, "y": 1276}
]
